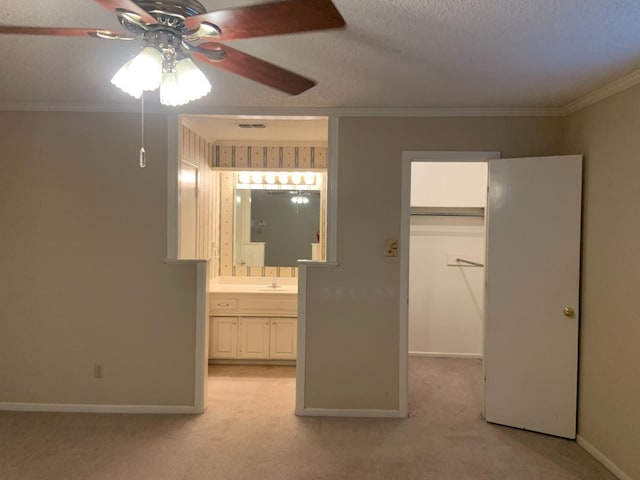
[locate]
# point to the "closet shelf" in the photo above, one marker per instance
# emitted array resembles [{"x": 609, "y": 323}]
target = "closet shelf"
[{"x": 447, "y": 212}]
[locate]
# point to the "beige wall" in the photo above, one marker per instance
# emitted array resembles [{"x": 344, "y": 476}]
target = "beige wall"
[
  {"x": 83, "y": 238},
  {"x": 608, "y": 134},
  {"x": 352, "y": 310}
]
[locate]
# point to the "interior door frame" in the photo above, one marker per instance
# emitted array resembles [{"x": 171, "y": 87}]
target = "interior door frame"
[{"x": 405, "y": 212}]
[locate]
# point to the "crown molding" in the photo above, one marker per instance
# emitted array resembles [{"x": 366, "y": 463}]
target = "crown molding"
[
  {"x": 377, "y": 111},
  {"x": 292, "y": 111},
  {"x": 608, "y": 90},
  {"x": 81, "y": 108}
]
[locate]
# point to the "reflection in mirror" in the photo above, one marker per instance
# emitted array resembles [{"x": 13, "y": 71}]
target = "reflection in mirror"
[{"x": 277, "y": 218}]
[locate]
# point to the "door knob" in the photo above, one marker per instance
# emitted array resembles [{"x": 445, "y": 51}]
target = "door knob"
[{"x": 569, "y": 312}]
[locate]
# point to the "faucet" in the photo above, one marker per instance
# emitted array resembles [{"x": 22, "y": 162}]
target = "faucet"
[{"x": 274, "y": 283}]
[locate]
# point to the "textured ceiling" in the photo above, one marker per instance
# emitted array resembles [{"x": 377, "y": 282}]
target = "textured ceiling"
[{"x": 393, "y": 54}]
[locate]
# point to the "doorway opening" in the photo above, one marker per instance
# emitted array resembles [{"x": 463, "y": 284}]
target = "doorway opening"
[
  {"x": 444, "y": 234},
  {"x": 446, "y": 259},
  {"x": 257, "y": 207}
]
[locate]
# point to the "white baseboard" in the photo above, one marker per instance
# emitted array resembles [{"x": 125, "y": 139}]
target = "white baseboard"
[
  {"x": 347, "y": 412},
  {"x": 89, "y": 408},
  {"x": 220, "y": 361},
  {"x": 602, "y": 458},
  {"x": 445, "y": 355}
]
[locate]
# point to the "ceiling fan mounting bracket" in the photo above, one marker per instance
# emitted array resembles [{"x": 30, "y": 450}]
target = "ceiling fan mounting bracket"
[
  {"x": 183, "y": 8},
  {"x": 170, "y": 16}
]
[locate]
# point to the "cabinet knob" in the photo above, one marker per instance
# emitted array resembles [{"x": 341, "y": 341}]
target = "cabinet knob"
[
  {"x": 569, "y": 312},
  {"x": 267, "y": 322},
  {"x": 233, "y": 323},
  {"x": 223, "y": 304}
]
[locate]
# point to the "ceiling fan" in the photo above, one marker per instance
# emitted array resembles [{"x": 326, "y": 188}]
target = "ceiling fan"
[{"x": 174, "y": 31}]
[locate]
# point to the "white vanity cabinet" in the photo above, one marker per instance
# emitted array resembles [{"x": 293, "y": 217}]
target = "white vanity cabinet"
[
  {"x": 253, "y": 326},
  {"x": 283, "y": 333},
  {"x": 223, "y": 341},
  {"x": 253, "y": 337}
]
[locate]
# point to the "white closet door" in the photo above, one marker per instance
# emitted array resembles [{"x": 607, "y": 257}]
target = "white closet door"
[{"x": 532, "y": 273}]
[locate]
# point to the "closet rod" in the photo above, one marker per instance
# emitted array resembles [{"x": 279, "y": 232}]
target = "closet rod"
[
  {"x": 446, "y": 214},
  {"x": 469, "y": 262}
]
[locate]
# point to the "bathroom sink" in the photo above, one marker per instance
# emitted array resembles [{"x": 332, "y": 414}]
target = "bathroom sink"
[
  {"x": 280, "y": 288},
  {"x": 234, "y": 288}
]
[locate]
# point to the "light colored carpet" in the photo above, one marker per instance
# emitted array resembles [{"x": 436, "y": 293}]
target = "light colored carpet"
[{"x": 250, "y": 432}]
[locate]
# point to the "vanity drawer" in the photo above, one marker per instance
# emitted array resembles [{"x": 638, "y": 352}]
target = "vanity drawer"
[
  {"x": 223, "y": 304},
  {"x": 277, "y": 304}
]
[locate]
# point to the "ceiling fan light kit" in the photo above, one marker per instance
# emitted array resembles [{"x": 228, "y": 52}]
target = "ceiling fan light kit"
[
  {"x": 180, "y": 81},
  {"x": 176, "y": 31}
]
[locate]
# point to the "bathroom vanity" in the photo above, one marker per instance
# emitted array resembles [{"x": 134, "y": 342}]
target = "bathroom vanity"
[{"x": 253, "y": 323}]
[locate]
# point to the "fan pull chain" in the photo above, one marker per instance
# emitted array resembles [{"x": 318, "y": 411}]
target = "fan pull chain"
[{"x": 143, "y": 153}]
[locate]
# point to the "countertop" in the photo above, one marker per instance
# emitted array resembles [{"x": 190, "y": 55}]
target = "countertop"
[{"x": 260, "y": 289}]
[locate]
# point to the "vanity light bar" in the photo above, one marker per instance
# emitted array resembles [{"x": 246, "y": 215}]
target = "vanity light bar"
[{"x": 298, "y": 179}]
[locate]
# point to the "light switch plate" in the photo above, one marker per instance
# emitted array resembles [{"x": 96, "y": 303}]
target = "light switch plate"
[{"x": 391, "y": 248}]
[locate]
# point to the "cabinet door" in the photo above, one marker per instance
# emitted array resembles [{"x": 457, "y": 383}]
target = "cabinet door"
[
  {"x": 254, "y": 338},
  {"x": 223, "y": 337},
  {"x": 283, "y": 338}
]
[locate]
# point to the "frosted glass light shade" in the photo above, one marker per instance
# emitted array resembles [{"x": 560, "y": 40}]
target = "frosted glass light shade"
[
  {"x": 170, "y": 93},
  {"x": 192, "y": 82},
  {"x": 143, "y": 72}
]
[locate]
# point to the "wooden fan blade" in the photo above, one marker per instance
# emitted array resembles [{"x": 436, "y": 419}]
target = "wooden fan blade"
[
  {"x": 277, "y": 18},
  {"x": 129, "y": 6},
  {"x": 255, "y": 69},
  {"x": 64, "y": 32}
]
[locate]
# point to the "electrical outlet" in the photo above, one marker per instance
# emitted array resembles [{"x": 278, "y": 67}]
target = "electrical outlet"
[
  {"x": 97, "y": 370},
  {"x": 391, "y": 248}
]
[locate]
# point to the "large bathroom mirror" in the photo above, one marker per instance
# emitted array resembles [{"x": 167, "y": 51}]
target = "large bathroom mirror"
[
  {"x": 270, "y": 219},
  {"x": 277, "y": 218}
]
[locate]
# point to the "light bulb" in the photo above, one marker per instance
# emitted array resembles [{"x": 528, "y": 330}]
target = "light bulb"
[
  {"x": 143, "y": 72},
  {"x": 192, "y": 82},
  {"x": 244, "y": 177},
  {"x": 300, "y": 199},
  {"x": 310, "y": 178},
  {"x": 283, "y": 178},
  {"x": 188, "y": 177},
  {"x": 256, "y": 178},
  {"x": 270, "y": 178},
  {"x": 296, "y": 178}
]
